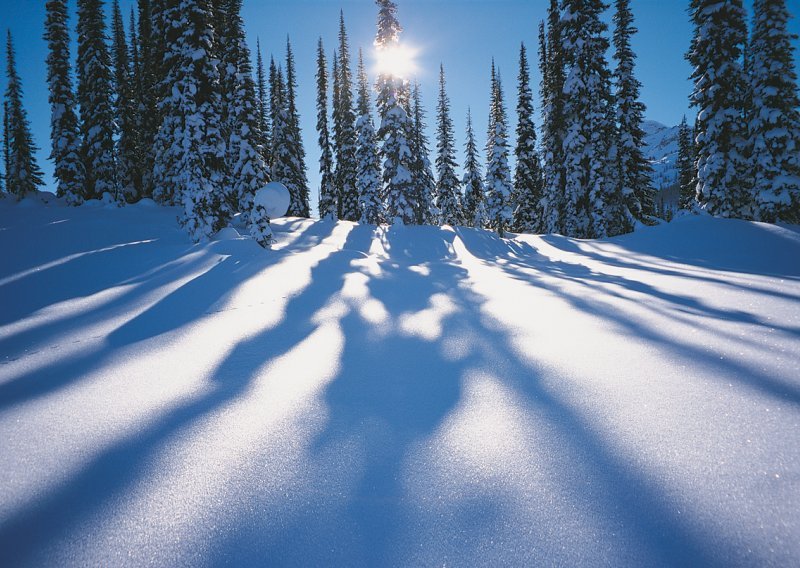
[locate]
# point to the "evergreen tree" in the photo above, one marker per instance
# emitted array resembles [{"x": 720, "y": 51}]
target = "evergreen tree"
[
  {"x": 448, "y": 187},
  {"x": 369, "y": 165},
  {"x": 421, "y": 170},
  {"x": 527, "y": 198},
  {"x": 249, "y": 172},
  {"x": 635, "y": 171},
  {"x": 64, "y": 133},
  {"x": 128, "y": 174},
  {"x": 395, "y": 126},
  {"x": 95, "y": 100},
  {"x": 284, "y": 157},
  {"x": 474, "y": 214},
  {"x": 147, "y": 83},
  {"x": 6, "y": 141},
  {"x": 686, "y": 163},
  {"x": 327, "y": 188},
  {"x": 344, "y": 131},
  {"x": 719, "y": 88},
  {"x": 296, "y": 182},
  {"x": 276, "y": 97},
  {"x": 555, "y": 208},
  {"x": 775, "y": 123},
  {"x": 263, "y": 107},
  {"x": 189, "y": 148},
  {"x": 22, "y": 173},
  {"x": 591, "y": 206},
  {"x": 499, "y": 213}
]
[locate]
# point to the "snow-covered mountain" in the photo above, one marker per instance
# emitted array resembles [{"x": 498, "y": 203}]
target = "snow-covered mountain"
[
  {"x": 395, "y": 396},
  {"x": 662, "y": 151}
]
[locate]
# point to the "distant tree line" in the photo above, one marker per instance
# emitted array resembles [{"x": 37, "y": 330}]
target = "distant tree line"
[{"x": 172, "y": 109}]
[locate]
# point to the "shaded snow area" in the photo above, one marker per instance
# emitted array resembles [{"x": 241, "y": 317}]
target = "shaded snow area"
[{"x": 410, "y": 396}]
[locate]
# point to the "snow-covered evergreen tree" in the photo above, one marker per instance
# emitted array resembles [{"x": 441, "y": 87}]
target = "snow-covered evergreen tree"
[
  {"x": 147, "y": 83},
  {"x": 244, "y": 161},
  {"x": 369, "y": 165},
  {"x": 264, "y": 125},
  {"x": 635, "y": 179},
  {"x": 189, "y": 148},
  {"x": 344, "y": 133},
  {"x": 498, "y": 187},
  {"x": 719, "y": 94},
  {"x": 296, "y": 182},
  {"x": 551, "y": 64},
  {"x": 395, "y": 126},
  {"x": 127, "y": 152},
  {"x": 448, "y": 187},
  {"x": 687, "y": 176},
  {"x": 527, "y": 196},
  {"x": 591, "y": 206},
  {"x": 421, "y": 169},
  {"x": 327, "y": 189},
  {"x": 22, "y": 172},
  {"x": 473, "y": 210},
  {"x": 6, "y": 141},
  {"x": 775, "y": 122},
  {"x": 64, "y": 133},
  {"x": 95, "y": 100}
]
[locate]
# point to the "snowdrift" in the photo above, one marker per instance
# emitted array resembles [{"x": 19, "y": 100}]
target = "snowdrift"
[{"x": 363, "y": 396}]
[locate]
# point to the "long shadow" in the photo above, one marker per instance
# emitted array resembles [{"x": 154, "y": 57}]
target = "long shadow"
[
  {"x": 552, "y": 275},
  {"x": 116, "y": 470},
  {"x": 393, "y": 391}
]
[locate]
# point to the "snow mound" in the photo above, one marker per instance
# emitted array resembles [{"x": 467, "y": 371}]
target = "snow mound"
[
  {"x": 274, "y": 198},
  {"x": 227, "y": 234}
]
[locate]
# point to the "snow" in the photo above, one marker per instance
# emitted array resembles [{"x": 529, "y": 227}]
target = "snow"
[
  {"x": 368, "y": 396},
  {"x": 274, "y": 198}
]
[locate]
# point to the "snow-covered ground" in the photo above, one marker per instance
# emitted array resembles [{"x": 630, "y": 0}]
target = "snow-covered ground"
[{"x": 405, "y": 396}]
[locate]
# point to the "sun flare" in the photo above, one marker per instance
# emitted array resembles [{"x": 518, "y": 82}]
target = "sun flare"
[{"x": 396, "y": 60}]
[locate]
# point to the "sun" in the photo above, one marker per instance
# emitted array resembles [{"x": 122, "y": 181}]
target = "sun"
[{"x": 396, "y": 60}]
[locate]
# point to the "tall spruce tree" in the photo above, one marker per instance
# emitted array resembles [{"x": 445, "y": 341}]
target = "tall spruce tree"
[
  {"x": 527, "y": 197},
  {"x": 147, "y": 84},
  {"x": 127, "y": 152},
  {"x": 635, "y": 178},
  {"x": 22, "y": 172},
  {"x": 336, "y": 76},
  {"x": 499, "y": 213},
  {"x": 95, "y": 90},
  {"x": 327, "y": 188},
  {"x": 297, "y": 182},
  {"x": 344, "y": 133},
  {"x": 285, "y": 163},
  {"x": 687, "y": 177},
  {"x": 473, "y": 211},
  {"x": 367, "y": 160},
  {"x": 64, "y": 133},
  {"x": 249, "y": 171},
  {"x": 264, "y": 124},
  {"x": 421, "y": 169},
  {"x": 6, "y": 141},
  {"x": 395, "y": 125},
  {"x": 719, "y": 95},
  {"x": 189, "y": 148},
  {"x": 448, "y": 187},
  {"x": 775, "y": 122},
  {"x": 589, "y": 142},
  {"x": 551, "y": 65}
]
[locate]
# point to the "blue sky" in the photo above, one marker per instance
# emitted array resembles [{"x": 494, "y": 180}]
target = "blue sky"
[{"x": 464, "y": 35}]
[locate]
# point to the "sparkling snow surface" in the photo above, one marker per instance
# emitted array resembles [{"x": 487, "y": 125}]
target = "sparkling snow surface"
[{"x": 406, "y": 396}]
